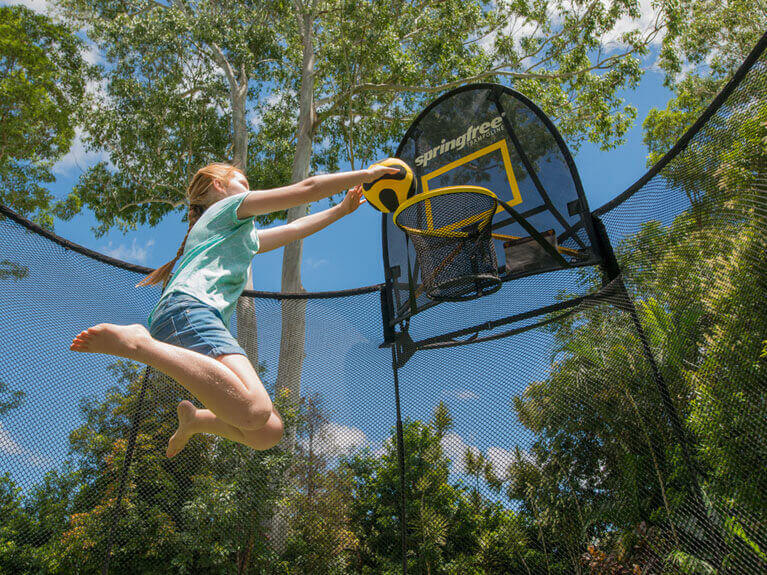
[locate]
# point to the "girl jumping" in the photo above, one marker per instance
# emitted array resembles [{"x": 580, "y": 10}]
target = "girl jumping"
[{"x": 188, "y": 337}]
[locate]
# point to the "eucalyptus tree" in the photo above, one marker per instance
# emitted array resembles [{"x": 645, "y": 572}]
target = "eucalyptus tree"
[{"x": 43, "y": 74}]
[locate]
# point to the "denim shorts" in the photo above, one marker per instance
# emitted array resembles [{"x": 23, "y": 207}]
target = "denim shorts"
[{"x": 185, "y": 321}]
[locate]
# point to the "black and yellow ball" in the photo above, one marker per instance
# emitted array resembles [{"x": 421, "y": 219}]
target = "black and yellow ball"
[{"x": 387, "y": 192}]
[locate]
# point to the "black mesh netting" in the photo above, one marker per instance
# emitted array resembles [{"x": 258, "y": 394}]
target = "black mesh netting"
[{"x": 621, "y": 430}]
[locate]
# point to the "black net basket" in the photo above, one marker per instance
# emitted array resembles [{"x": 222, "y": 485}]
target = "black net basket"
[{"x": 450, "y": 229}]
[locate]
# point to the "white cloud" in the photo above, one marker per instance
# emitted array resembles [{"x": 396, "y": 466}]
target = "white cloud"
[
  {"x": 381, "y": 449},
  {"x": 519, "y": 28},
  {"x": 501, "y": 458},
  {"x": 39, "y": 6},
  {"x": 466, "y": 395},
  {"x": 274, "y": 98},
  {"x": 255, "y": 119},
  {"x": 645, "y": 22},
  {"x": 78, "y": 158},
  {"x": 335, "y": 439},
  {"x": 10, "y": 446},
  {"x": 130, "y": 253},
  {"x": 455, "y": 448},
  {"x": 92, "y": 54},
  {"x": 314, "y": 264}
]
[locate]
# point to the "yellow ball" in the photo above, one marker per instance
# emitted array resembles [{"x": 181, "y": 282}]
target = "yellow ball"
[{"x": 387, "y": 192}]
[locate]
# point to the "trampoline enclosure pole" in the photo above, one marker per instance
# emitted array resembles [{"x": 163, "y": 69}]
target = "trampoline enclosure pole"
[
  {"x": 401, "y": 456},
  {"x": 135, "y": 422}
]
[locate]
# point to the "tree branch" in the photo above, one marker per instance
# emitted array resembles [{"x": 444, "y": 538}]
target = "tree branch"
[
  {"x": 220, "y": 58},
  {"x": 151, "y": 201}
]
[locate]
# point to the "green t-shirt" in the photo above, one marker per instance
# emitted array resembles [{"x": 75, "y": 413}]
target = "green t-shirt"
[{"x": 218, "y": 251}]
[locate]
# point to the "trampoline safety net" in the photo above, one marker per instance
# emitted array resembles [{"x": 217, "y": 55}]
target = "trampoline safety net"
[{"x": 623, "y": 433}]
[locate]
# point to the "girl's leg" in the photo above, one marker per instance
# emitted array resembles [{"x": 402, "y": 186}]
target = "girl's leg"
[
  {"x": 192, "y": 421},
  {"x": 237, "y": 397}
]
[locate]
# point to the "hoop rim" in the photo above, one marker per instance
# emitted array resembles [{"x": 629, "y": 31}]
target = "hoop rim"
[{"x": 436, "y": 193}]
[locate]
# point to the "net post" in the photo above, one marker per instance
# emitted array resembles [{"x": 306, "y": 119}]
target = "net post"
[
  {"x": 388, "y": 331},
  {"x": 400, "y": 458},
  {"x": 135, "y": 422},
  {"x": 609, "y": 263}
]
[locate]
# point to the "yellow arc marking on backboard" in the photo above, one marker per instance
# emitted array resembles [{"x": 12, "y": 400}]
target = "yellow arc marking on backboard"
[{"x": 500, "y": 145}]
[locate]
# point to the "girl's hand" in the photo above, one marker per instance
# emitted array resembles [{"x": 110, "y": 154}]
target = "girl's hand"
[
  {"x": 353, "y": 200},
  {"x": 375, "y": 172}
]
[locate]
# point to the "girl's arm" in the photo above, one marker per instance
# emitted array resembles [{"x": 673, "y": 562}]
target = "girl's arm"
[
  {"x": 306, "y": 191},
  {"x": 278, "y": 236}
]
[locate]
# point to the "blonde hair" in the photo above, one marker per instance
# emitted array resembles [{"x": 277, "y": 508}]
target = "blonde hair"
[{"x": 200, "y": 199}]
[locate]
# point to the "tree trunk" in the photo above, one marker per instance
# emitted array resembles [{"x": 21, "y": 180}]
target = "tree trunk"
[
  {"x": 239, "y": 95},
  {"x": 294, "y": 311},
  {"x": 246, "y": 309},
  {"x": 243, "y": 566},
  {"x": 239, "y": 126}
]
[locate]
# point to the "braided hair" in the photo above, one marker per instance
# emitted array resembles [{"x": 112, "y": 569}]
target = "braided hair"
[{"x": 200, "y": 199}]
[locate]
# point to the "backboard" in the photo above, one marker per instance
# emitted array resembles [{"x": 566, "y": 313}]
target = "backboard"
[{"x": 490, "y": 136}]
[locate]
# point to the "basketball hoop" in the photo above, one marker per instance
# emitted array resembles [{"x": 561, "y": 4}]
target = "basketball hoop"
[{"x": 450, "y": 229}]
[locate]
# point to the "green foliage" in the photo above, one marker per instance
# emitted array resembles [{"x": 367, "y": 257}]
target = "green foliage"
[
  {"x": 727, "y": 395},
  {"x": 691, "y": 565},
  {"x": 443, "y": 422},
  {"x": 602, "y": 435},
  {"x": 42, "y": 83},
  {"x": 33, "y": 524},
  {"x": 164, "y": 107},
  {"x": 707, "y": 37},
  {"x": 735, "y": 537},
  {"x": 9, "y": 269},
  {"x": 699, "y": 284},
  {"x": 320, "y": 540},
  {"x": 186, "y": 84},
  {"x": 450, "y": 528}
]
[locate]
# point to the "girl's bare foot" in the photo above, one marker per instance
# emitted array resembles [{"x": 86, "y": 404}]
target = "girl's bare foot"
[
  {"x": 186, "y": 416},
  {"x": 119, "y": 340}
]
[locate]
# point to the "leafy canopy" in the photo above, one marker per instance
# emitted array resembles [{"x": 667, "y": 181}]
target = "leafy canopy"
[
  {"x": 42, "y": 83},
  {"x": 188, "y": 83}
]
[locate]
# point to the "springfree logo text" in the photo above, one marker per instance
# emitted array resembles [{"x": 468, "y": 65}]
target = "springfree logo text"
[{"x": 473, "y": 133}]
